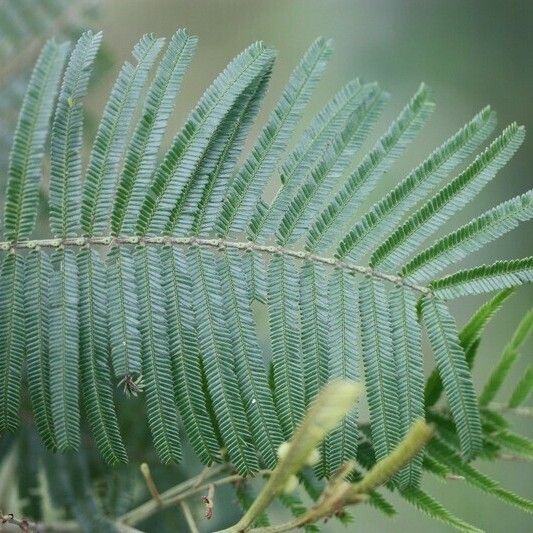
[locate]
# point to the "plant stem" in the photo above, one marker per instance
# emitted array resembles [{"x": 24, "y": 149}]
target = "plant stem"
[{"x": 220, "y": 244}]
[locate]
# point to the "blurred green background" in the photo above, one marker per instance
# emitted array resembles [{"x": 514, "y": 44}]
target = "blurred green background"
[{"x": 471, "y": 53}]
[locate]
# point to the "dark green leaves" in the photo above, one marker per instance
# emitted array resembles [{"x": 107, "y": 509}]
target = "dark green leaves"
[
  {"x": 454, "y": 374},
  {"x": 156, "y": 363},
  {"x": 64, "y": 350},
  {"x": 28, "y": 144},
  {"x": 65, "y": 145},
  {"x": 12, "y": 339}
]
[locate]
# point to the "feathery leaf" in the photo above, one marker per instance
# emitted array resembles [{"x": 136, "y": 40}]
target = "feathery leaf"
[
  {"x": 30, "y": 136},
  {"x": 64, "y": 350},
  {"x": 12, "y": 339},
  {"x": 66, "y": 141},
  {"x": 453, "y": 197},
  {"x": 247, "y": 186},
  {"x": 454, "y": 373},
  {"x": 380, "y": 367},
  {"x": 99, "y": 184},
  {"x": 477, "y": 233},
  {"x": 329, "y": 226},
  {"x": 141, "y": 154}
]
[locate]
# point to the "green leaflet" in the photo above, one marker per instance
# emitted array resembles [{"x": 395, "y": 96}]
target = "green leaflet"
[
  {"x": 95, "y": 380},
  {"x": 36, "y": 286},
  {"x": 323, "y": 128},
  {"x": 174, "y": 173},
  {"x": 407, "y": 343},
  {"x": 124, "y": 334},
  {"x": 380, "y": 366},
  {"x": 523, "y": 389},
  {"x": 64, "y": 350},
  {"x": 450, "y": 199},
  {"x": 12, "y": 339},
  {"x": 66, "y": 141},
  {"x": 156, "y": 364},
  {"x": 256, "y": 275},
  {"x": 247, "y": 186},
  {"x": 30, "y": 136},
  {"x": 330, "y": 224},
  {"x": 454, "y": 374},
  {"x": 99, "y": 184},
  {"x": 185, "y": 355},
  {"x": 384, "y": 216},
  {"x": 341, "y": 444},
  {"x": 248, "y": 359},
  {"x": 141, "y": 154},
  {"x": 425, "y": 503},
  {"x": 316, "y": 189},
  {"x": 457, "y": 245},
  {"x": 217, "y": 350},
  {"x": 235, "y": 129},
  {"x": 445, "y": 454},
  {"x": 314, "y": 319},
  {"x": 284, "y": 320},
  {"x": 486, "y": 278},
  {"x": 213, "y": 171},
  {"x": 509, "y": 356},
  {"x": 469, "y": 337}
]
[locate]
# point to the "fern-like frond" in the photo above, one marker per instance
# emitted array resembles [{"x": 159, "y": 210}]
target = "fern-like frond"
[
  {"x": 173, "y": 175},
  {"x": 407, "y": 347},
  {"x": 38, "y": 272},
  {"x": 248, "y": 184},
  {"x": 445, "y": 454},
  {"x": 125, "y": 338},
  {"x": 454, "y": 196},
  {"x": 12, "y": 339},
  {"x": 457, "y": 245},
  {"x": 217, "y": 352},
  {"x": 486, "y": 278},
  {"x": 469, "y": 338},
  {"x": 64, "y": 350},
  {"x": 185, "y": 354},
  {"x": 384, "y": 216},
  {"x": 156, "y": 364},
  {"x": 99, "y": 184},
  {"x": 320, "y": 132},
  {"x": 454, "y": 374},
  {"x": 30, "y": 136},
  {"x": 141, "y": 154},
  {"x": 343, "y": 326},
  {"x": 148, "y": 288},
  {"x": 249, "y": 368},
  {"x": 425, "y": 503},
  {"x": 523, "y": 389},
  {"x": 285, "y": 328},
  {"x": 314, "y": 192},
  {"x": 509, "y": 356},
  {"x": 380, "y": 367},
  {"x": 330, "y": 224},
  {"x": 65, "y": 144},
  {"x": 95, "y": 379}
]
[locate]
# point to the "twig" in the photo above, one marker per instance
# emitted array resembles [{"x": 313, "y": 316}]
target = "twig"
[
  {"x": 145, "y": 470},
  {"x": 219, "y": 244},
  {"x": 209, "y": 501},
  {"x": 189, "y": 518}
]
